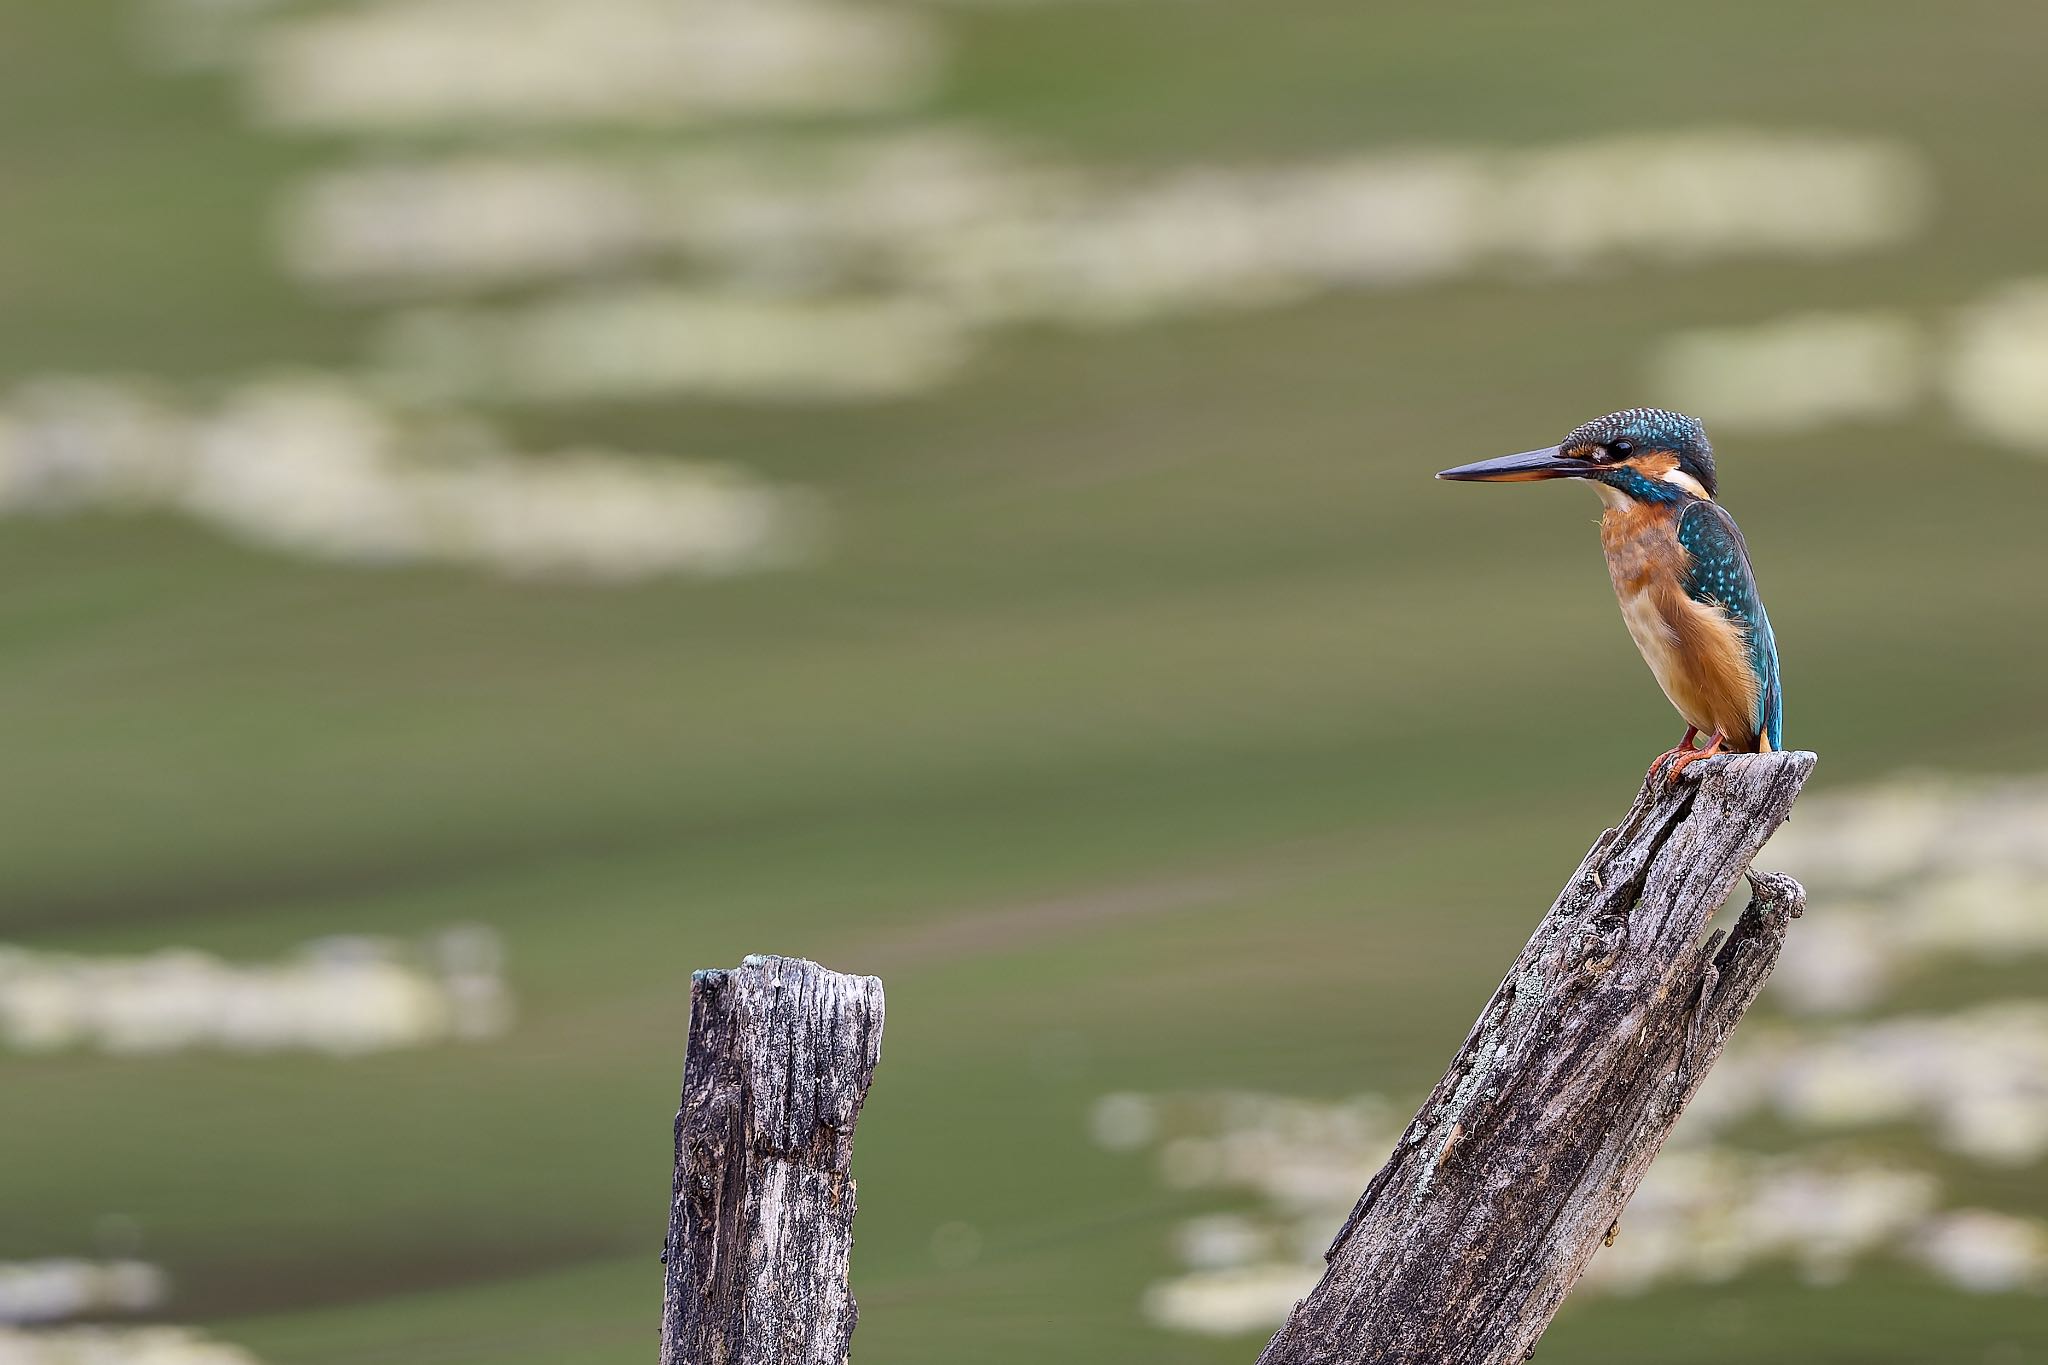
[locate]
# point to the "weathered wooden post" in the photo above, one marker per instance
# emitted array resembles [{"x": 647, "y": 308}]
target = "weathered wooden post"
[
  {"x": 1518, "y": 1165},
  {"x": 760, "y": 1227}
]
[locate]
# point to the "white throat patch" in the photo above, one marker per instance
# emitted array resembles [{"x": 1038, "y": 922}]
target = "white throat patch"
[{"x": 1610, "y": 495}]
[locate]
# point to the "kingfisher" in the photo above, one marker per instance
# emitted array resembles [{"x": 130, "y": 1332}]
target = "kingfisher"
[{"x": 1680, "y": 568}]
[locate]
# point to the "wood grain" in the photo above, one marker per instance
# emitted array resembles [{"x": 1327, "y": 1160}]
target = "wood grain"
[
  {"x": 781, "y": 1054},
  {"x": 1519, "y": 1164}
]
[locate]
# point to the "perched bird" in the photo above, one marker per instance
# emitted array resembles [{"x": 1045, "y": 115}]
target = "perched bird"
[{"x": 1680, "y": 568}]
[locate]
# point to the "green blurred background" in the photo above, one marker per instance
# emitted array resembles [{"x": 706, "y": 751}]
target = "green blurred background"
[{"x": 1147, "y": 718}]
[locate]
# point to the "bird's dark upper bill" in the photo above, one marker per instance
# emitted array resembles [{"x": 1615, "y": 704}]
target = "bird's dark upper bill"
[{"x": 1547, "y": 463}]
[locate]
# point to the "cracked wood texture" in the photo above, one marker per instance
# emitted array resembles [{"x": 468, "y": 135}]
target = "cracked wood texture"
[
  {"x": 760, "y": 1231},
  {"x": 1518, "y": 1165}
]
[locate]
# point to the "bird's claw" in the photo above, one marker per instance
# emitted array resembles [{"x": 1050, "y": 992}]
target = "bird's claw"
[
  {"x": 1684, "y": 746},
  {"x": 1680, "y": 762}
]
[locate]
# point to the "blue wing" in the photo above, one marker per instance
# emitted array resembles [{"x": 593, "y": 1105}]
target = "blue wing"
[{"x": 1720, "y": 574}]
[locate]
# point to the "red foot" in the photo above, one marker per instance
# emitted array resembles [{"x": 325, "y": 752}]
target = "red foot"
[
  {"x": 1684, "y": 746},
  {"x": 1691, "y": 756}
]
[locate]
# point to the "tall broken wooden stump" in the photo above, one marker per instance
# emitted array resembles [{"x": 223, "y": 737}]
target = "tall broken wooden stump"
[{"x": 1519, "y": 1164}]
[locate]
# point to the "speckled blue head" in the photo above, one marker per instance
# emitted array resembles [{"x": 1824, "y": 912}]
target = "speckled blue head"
[{"x": 1635, "y": 432}]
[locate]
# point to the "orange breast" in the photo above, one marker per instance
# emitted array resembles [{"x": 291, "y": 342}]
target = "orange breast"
[{"x": 1698, "y": 655}]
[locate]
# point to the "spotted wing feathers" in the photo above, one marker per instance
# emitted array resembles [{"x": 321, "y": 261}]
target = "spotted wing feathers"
[{"x": 1719, "y": 573}]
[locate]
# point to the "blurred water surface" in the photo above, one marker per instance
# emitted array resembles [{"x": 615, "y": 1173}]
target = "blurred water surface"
[{"x": 502, "y": 504}]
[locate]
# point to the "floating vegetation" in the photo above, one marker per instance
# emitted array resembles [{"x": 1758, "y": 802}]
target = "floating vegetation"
[
  {"x": 59, "y": 1288},
  {"x": 117, "y": 1346},
  {"x": 519, "y": 64},
  {"x": 316, "y": 467},
  {"x": 343, "y": 996}
]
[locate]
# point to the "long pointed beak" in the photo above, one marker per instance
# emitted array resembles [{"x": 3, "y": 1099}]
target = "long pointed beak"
[{"x": 1548, "y": 463}]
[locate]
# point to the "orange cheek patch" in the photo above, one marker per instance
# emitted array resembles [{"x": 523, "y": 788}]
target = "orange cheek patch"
[{"x": 1655, "y": 463}]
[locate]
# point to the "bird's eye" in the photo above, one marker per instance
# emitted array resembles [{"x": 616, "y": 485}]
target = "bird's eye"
[{"x": 1621, "y": 450}]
